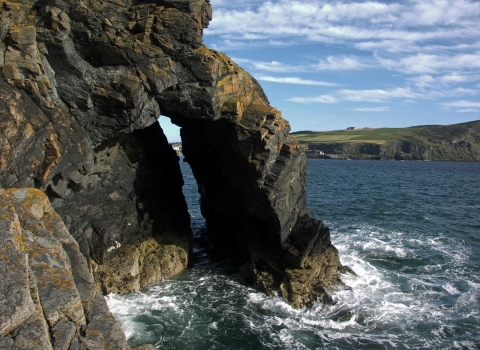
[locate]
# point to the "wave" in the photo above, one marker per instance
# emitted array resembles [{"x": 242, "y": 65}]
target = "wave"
[{"x": 418, "y": 283}]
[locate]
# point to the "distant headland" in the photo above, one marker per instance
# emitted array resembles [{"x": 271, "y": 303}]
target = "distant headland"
[{"x": 456, "y": 142}]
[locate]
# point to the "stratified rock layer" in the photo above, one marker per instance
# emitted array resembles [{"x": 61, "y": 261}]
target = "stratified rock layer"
[
  {"x": 84, "y": 82},
  {"x": 105, "y": 164},
  {"x": 47, "y": 294}
]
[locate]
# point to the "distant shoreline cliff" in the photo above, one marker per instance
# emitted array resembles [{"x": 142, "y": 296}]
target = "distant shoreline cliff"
[{"x": 456, "y": 142}]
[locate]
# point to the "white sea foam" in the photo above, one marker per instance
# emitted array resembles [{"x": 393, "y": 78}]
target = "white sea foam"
[
  {"x": 451, "y": 289},
  {"x": 381, "y": 300},
  {"x": 379, "y": 246}
]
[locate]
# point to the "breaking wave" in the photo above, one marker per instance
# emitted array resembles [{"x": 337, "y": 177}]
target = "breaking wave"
[{"x": 418, "y": 283}]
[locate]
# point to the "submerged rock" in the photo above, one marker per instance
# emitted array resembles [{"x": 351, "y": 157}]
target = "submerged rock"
[{"x": 83, "y": 85}]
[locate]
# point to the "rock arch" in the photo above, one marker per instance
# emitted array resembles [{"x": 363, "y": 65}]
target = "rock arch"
[{"x": 87, "y": 81}]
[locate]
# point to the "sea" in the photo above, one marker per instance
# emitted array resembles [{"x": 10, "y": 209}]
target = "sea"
[{"x": 410, "y": 231}]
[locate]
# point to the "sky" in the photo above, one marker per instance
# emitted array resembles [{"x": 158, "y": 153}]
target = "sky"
[{"x": 329, "y": 65}]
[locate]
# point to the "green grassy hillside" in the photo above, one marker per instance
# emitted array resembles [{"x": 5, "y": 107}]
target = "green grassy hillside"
[
  {"x": 430, "y": 142},
  {"x": 378, "y": 136}
]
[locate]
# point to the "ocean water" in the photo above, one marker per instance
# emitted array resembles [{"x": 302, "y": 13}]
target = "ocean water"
[{"x": 410, "y": 230}]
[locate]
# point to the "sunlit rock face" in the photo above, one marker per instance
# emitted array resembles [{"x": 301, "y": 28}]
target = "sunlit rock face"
[
  {"x": 83, "y": 128},
  {"x": 83, "y": 84},
  {"x": 48, "y": 299}
]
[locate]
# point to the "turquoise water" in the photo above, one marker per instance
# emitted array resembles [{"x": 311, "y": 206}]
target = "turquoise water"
[{"x": 411, "y": 231}]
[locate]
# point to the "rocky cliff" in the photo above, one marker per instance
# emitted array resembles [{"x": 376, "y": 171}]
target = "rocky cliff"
[
  {"x": 47, "y": 296},
  {"x": 399, "y": 149},
  {"x": 83, "y": 83},
  {"x": 456, "y": 142}
]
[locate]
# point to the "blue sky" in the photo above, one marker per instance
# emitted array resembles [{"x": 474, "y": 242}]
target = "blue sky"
[{"x": 328, "y": 65}]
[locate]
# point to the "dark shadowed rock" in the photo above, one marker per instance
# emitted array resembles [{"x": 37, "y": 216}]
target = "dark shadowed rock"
[{"x": 83, "y": 84}]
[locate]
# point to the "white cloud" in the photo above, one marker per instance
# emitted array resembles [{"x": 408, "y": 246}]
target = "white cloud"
[
  {"x": 341, "y": 63},
  {"x": 462, "y": 91},
  {"x": 468, "y": 110},
  {"x": 391, "y": 45},
  {"x": 370, "y": 109},
  {"x": 391, "y": 30},
  {"x": 426, "y": 63},
  {"x": 233, "y": 43},
  {"x": 331, "y": 63},
  {"x": 250, "y": 36},
  {"x": 454, "y": 78},
  {"x": 275, "y": 66},
  {"x": 281, "y": 42},
  {"x": 462, "y": 104},
  {"x": 434, "y": 45},
  {"x": 441, "y": 86},
  {"x": 458, "y": 47},
  {"x": 377, "y": 95},
  {"x": 292, "y": 80},
  {"x": 303, "y": 18},
  {"x": 440, "y": 12},
  {"x": 458, "y": 78},
  {"x": 423, "y": 81},
  {"x": 240, "y": 60},
  {"x": 318, "y": 99},
  {"x": 410, "y": 20}
]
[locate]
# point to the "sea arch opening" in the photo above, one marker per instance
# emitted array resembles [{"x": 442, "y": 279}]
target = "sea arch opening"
[
  {"x": 190, "y": 188},
  {"x": 214, "y": 213},
  {"x": 234, "y": 210}
]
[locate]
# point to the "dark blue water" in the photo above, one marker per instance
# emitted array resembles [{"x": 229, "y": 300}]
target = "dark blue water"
[{"x": 411, "y": 231}]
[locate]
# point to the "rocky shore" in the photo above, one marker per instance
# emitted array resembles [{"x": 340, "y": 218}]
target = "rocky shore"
[
  {"x": 456, "y": 142},
  {"x": 83, "y": 83}
]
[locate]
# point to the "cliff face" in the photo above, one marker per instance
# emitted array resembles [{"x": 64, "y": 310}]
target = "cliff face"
[
  {"x": 456, "y": 142},
  {"x": 447, "y": 150},
  {"x": 83, "y": 85},
  {"x": 47, "y": 295},
  {"x": 82, "y": 128}
]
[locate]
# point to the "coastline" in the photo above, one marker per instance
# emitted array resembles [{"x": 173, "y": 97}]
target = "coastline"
[{"x": 342, "y": 157}]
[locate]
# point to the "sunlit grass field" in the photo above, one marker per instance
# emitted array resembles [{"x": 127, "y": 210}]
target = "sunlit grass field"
[
  {"x": 442, "y": 142},
  {"x": 419, "y": 134},
  {"x": 367, "y": 135}
]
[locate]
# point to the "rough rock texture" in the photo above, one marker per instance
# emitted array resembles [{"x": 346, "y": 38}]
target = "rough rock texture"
[
  {"x": 459, "y": 150},
  {"x": 105, "y": 164},
  {"x": 456, "y": 142},
  {"x": 83, "y": 83},
  {"x": 48, "y": 298}
]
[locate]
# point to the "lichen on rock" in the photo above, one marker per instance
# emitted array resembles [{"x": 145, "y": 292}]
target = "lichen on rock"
[
  {"x": 83, "y": 85},
  {"x": 47, "y": 295}
]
